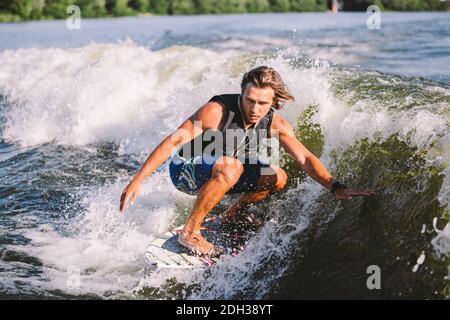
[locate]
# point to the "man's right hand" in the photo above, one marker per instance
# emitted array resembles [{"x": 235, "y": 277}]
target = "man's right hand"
[{"x": 131, "y": 192}]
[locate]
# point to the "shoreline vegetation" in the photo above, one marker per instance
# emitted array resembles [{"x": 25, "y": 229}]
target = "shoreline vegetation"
[{"x": 25, "y": 10}]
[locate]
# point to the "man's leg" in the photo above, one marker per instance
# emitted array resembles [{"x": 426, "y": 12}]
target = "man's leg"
[
  {"x": 225, "y": 174},
  {"x": 267, "y": 185}
]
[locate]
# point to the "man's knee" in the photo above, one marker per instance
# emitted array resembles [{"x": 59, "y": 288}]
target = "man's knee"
[
  {"x": 274, "y": 180},
  {"x": 228, "y": 170}
]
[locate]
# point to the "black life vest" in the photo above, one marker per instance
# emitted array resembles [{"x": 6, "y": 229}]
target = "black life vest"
[{"x": 236, "y": 139}]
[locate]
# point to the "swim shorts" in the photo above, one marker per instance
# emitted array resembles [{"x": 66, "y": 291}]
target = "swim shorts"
[{"x": 189, "y": 175}]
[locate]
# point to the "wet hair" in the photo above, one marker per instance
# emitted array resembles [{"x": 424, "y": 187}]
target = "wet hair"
[{"x": 263, "y": 77}]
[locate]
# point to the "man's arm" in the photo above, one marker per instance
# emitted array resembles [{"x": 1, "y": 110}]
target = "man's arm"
[
  {"x": 207, "y": 117},
  {"x": 298, "y": 151},
  {"x": 307, "y": 160}
]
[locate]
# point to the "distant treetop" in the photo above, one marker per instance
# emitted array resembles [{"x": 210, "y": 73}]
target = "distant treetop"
[{"x": 17, "y": 10}]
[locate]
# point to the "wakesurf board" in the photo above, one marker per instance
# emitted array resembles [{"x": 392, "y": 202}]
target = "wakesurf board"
[{"x": 166, "y": 253}]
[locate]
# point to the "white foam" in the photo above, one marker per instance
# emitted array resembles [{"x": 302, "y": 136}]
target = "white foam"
[
  {"x": 105, "y": 245},
  {"x": 105, "y": 92}
]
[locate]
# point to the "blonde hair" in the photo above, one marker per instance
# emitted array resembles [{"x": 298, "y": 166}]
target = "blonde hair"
[{"x": 263, "y": 77}]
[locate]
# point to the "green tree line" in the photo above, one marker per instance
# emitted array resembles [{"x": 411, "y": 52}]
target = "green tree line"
[
  {"x": 16, "y": 10},
  {"x": 396, "y": 5}
]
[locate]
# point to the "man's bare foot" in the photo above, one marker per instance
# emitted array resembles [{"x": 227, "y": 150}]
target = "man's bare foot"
[{"x": 195, "y": 242}]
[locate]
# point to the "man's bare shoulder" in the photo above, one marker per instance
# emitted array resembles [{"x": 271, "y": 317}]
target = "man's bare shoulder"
[
  {"x": 210, "y": 115},
  {"x": 280, "y": 123}
]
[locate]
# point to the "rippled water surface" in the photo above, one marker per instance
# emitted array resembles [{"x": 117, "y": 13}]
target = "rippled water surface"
[{"x": 80, "y": 110}]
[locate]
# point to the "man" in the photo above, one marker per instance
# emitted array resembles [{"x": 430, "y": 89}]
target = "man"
[{"x": 210, "y": 169}]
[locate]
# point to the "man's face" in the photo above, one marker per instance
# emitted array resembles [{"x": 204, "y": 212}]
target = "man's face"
[{"x": 256, "y": 102}]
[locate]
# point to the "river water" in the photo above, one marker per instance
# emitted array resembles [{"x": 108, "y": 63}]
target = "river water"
[{"x": 80, "y": 110}]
